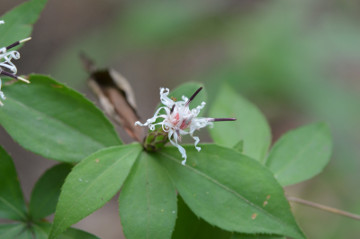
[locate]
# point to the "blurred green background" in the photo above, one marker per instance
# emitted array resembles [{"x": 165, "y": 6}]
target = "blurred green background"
[{"x": 299, "y": 61}]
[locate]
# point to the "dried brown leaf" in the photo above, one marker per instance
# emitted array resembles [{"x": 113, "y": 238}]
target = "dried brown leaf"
[{"x": 116, "y": 97}]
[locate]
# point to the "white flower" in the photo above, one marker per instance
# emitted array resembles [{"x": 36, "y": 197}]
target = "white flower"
[
  {"x": 6, "y": 57},
  {"x": 179, "y": 120}
]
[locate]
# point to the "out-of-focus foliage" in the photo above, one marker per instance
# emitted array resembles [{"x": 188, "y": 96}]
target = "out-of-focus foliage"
[
  {"x": 300, "y": 154},
  {"x": 250, "y": 127}
]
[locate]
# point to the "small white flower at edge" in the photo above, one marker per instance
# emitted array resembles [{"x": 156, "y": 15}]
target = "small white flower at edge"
[
  {"x": 5, "y": 63},
  {"x": 179, "y": 120}
]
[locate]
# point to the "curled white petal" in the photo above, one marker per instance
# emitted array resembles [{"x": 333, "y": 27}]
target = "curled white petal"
[
  {"x": 2, "y": 95},
  {"x": 176, "y": 144},
  {"x": 197, "y": 140},
  {"x": 198, "y": 108},
  {"x": 150, "y": 121},
  {"x": 184, "y": 98},
  {"x": 164, "y": 92},
  {"x": 6, "y": 58}
]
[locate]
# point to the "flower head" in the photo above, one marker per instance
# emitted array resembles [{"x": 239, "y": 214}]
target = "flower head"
[
  {"x": 6, "y": 57},
  {"x": 178, "y": 119}
]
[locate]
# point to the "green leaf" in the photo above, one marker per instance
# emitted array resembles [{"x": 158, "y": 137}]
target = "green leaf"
[
  {"x": 92, "y": 183},
  {"x": 54, "y": 121},
  {"x": 42, "y": 231},
  {"x": 147, "y": 202},
  {"x": 250, "y": 126},
  {"x": 45, "y": 194},
  {"x": 189, "y": 226},
  {"x": 26, "y": 234},
  {"x": 301, "y": 153},
  {"x": 11, "y": 231},
  {"x": 18, "y": 21},
  {"x": 231, "y": 191},
  {"x": 12, "y": 205},
  {"x": 16, "y": 231},
  {"x": 255, "y": 236}
]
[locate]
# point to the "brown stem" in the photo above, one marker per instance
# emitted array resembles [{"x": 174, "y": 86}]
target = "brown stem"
[{"x": 323, "y": 207}]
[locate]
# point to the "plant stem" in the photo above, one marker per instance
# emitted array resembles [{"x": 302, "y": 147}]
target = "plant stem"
[{"x": 323, "y": 207}]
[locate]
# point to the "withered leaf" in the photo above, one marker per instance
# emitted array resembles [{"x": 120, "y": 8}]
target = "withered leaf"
[{"x": 116, "y": 97}]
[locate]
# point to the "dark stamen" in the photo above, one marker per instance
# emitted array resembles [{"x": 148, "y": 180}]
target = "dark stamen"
[
  {"x": 172, "y": 109},
  {"x": 5, "y": 73},
  {"x": 193, "y": 96},
  {"x": 18, "y": 43},
  {"x": 13, "y": 45},
  {"x": 221, "y": 119}
]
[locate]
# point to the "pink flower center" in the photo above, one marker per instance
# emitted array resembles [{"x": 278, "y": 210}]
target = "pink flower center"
[{"x": 184, "y": 123}]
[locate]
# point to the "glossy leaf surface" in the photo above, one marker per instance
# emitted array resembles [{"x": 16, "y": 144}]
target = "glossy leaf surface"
[
  {"x": 189, "y": 226},
  {"x": 231, "y": 191},
  {"x": 92, "y": 183},
  {"x": 54, "y": 121},
  {"x": 147, "y": 202}
]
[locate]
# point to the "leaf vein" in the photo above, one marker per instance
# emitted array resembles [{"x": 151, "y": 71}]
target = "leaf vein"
[
  {"x": 58, "y": 121},
  {"x": 91, "y": 185},
  {"x": 13, "y": 207},
  {"x": 228, "y": 189}
]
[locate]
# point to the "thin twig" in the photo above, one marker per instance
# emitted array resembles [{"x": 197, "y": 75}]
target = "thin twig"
[{"x": 323, "y": 207}]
